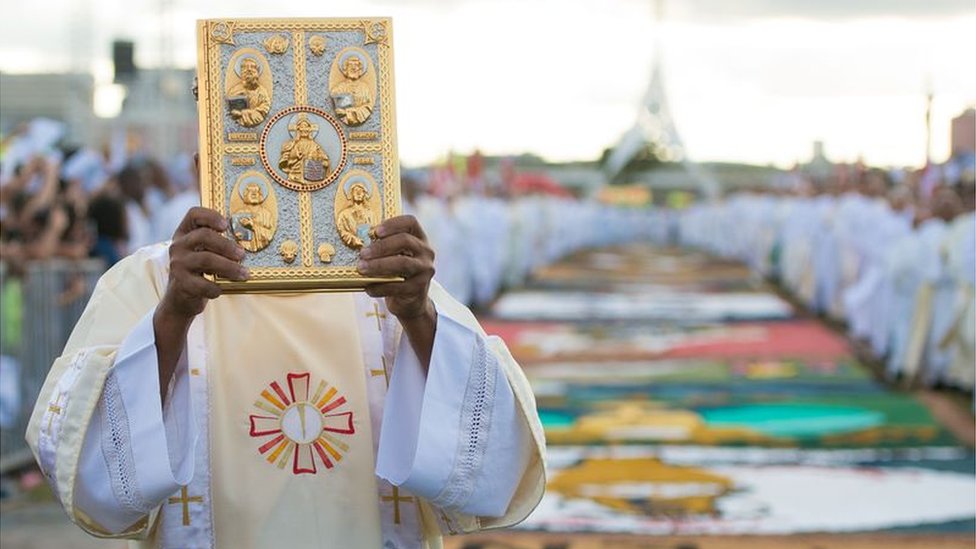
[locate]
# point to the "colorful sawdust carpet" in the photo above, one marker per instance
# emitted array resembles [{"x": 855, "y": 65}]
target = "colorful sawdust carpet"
[{"x": 680, "y": 395}]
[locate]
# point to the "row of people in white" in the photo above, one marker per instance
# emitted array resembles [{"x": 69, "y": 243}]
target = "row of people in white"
[
  {"x": 483, "y": 243},
  {"x": 907, "y": 290}
]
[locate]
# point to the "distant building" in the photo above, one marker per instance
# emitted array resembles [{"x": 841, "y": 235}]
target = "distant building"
[
  {"x": 962, "y": 136},
  {"x": 160, "y": 112},
  {"x": 65, "y": 97},
  {"x": 820, "y": 167},
  {"x": 158, "y": 115}
]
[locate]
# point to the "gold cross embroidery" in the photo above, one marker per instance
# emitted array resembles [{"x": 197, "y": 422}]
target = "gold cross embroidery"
[
  {"x": 447, "y": 522},
  {"x": 195, "y": 371},
  {"x": 384, "y": 372},
  {"x": 186, "y": 500},
  {"x": 54, "y": 408},
  {"x": 376, "y": 312},
  {"x": 396, "y": 499}
]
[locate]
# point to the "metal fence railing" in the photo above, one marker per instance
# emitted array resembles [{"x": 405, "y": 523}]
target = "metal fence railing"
[{"x": 39, "y": 311}]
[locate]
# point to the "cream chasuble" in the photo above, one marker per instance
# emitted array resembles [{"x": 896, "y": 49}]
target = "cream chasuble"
[{"x": 274, "y": 423}]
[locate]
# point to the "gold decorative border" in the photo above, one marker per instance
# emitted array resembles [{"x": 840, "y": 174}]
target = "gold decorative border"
[
  {"x": 212, "y": 34},
  {"x": 305, "y": 218},
  {"x": 298, "y": 54}
]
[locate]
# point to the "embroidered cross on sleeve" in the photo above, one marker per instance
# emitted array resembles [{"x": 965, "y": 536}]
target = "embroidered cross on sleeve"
[
  {"x": 185, "y": 499},
  {"x": 379, "y": 315}
]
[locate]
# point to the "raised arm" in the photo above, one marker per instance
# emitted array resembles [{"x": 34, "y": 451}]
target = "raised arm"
[
  {"x": 197, "y": 248},
  {"x": 112, "y": 428},
  {"x": 460, "y": 428},
  {"x": 401, "y": 249}
]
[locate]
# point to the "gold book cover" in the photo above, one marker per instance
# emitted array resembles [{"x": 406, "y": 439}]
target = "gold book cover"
[{"x": 298, "y": 144}]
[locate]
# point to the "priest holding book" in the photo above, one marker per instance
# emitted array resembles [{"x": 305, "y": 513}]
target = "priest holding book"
[
  {"x": 184, "y": 415},
  {"x": 178, "y": 417}
]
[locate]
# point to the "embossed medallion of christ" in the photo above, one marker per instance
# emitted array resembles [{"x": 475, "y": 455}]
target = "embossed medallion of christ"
[
  {"x": 301, "y": 157},
  {"x": 256, "y": 100}
]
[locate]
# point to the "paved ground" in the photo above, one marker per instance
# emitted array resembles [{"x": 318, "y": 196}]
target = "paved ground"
[
  {"x": 44, "y": 526},
  {"x": 858, "y": 541}
]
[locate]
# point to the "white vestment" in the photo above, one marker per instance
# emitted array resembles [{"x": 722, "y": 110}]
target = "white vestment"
[
  {"x": 907, "y": 273},
  {"x": 168, "y": 216},
  {"x": 446, "y": 236},
  {"x": 487, "y": 218},
  {"x": 865, "y": 301},
  {"x": 802, "y": 225},
  {"x": 243, "y": 455},
  {"x": 139, "y": 227},
  {"x": 933, "y": 305},
  {"x": 960, "y": 337},
  {"x": 954, "y": 325}
]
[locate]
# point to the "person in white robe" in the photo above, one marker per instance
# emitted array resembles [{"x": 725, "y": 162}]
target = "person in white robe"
[
  {"x": 904, "y": 279},
  {"x": 132, "y": 183},
  {"x": 933, "y": 315},
  {"x": 523, "y": 229},
  {"x": 448, "y": 239},
  {"x": 823, "y": 255},
  {"x": 167, "y": 218},
  {"x": 897, "y": 228},
  {"x": 797, "y": 248},
  {"x": 881, "y": 227},
  {"x": 918, "y": 285},
  {"x": 485, "y": 217},
  {"x": 959, "y": 339},
  {"x": 388, "y": 418},
  {"x": 168, "y": 215}
]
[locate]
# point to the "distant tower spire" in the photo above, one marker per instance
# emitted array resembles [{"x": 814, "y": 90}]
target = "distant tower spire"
[{"x": 655, "y": 128}]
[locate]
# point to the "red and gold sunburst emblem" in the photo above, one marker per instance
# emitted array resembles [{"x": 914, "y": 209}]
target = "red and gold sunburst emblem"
[{"x": 304, "y": 430}]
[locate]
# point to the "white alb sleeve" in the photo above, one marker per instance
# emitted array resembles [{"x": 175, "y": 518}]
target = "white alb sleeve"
[
  {"x": 136, "y": 452},
  {"x": 454, "y": 437}
]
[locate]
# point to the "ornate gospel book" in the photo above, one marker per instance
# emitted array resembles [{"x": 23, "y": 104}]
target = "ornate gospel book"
[{"x": 298, "y": 144}]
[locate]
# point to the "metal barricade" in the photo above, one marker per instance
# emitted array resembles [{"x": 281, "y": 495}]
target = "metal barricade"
[{"x": 53, "y": 294}]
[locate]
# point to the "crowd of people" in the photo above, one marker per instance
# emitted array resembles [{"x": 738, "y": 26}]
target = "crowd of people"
[
  {"x": 896, "y": 262},
  {"x": 79, "y": 202}
]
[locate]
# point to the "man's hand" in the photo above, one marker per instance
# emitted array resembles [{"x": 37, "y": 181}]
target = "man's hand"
[
  {"x": 401, "y": 249},
  {"x": 198, "y": 248}
]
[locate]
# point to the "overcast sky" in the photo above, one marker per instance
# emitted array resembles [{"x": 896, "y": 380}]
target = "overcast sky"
[{"x": 749, "y": 80}]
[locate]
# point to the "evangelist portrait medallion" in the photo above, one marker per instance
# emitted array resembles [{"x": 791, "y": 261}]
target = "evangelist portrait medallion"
[
  {"x": 248, "y": 87},
  {"x": 357, "y": 209},
  {"x": 253, "y": 211},
  {"x": 306, "y": 433},
  {"x": 353, "y": 86}
]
